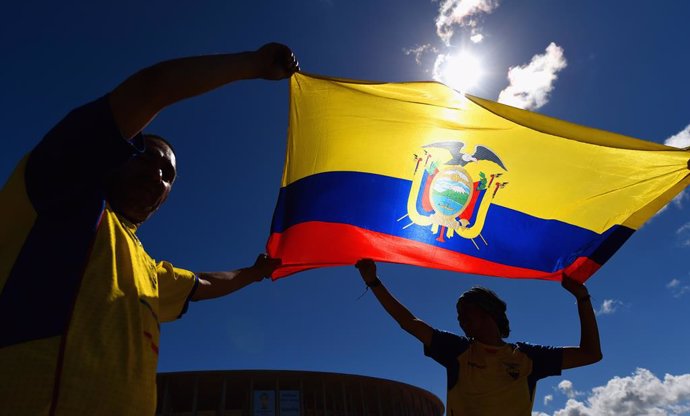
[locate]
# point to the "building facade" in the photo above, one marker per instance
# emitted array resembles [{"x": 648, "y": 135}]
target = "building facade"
[{"x": 289, "y": 393}]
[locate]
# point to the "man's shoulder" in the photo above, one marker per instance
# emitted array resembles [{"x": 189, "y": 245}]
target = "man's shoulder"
[
  {"x": 536, "y": 351},
  {"x": 447, "y": 343},
  {"x": 546, "y": 360},
  {"x": 447, "y": 336},
  {"x": 528, "y": 346},
  {"x": 445, "y": 347}
]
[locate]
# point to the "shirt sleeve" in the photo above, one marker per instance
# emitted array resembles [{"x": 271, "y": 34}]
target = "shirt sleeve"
[
  {"x": 546, "y": 361},
  {"x": 73, "y": 159},
  {"x": 175, "y": 289},
  {"x": 445, "y": 347}
]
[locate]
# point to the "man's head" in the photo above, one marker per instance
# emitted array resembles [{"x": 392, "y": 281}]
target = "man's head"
[
  {"x": 479, "y": 310},
  {"x": 139, "y": 187}
]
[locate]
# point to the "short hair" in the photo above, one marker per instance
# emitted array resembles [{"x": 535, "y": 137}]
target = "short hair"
[
  {"x": 149, "y": 136},
  {"x": 491, "y": 304}
]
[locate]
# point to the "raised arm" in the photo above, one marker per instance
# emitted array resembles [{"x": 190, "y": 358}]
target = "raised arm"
[
  {"x": 136, "y": 101},
  {"x": 589, "y": 351},
  {"x": 410, "y": 323},
  {"x": 216, "y": 284}
]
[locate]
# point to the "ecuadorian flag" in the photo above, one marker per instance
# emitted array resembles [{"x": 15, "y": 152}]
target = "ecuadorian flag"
[{"x": 418, "y": 173}]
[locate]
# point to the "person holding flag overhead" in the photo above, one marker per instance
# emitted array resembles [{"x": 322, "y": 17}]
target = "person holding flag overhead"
[
  {"x": 81, "y": 300},
  {"x": 486, "y": 375}
]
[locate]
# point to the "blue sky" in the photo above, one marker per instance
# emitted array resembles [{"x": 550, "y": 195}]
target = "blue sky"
[{"x": 615, "y": 65}]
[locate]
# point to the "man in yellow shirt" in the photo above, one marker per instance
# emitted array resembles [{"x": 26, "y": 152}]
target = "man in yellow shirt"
[
  {"x": 81, "y": 300},
  {"x": 486, "y": 375}
]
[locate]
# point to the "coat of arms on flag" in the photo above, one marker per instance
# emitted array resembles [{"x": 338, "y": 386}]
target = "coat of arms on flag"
[{"x": 452, "y": 190}]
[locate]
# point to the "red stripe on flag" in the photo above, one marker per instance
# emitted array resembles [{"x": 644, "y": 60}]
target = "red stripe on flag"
[
  {"x": 582, "y": 268},
  {"x": 310, "y": 245}
]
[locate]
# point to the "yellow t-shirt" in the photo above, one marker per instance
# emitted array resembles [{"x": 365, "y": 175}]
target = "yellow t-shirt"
[
  {"x": 486, "y": 381},
  {"x": 81, "y": 299}
]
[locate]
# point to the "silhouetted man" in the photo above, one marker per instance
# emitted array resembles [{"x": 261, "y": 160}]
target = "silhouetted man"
[
  {"x": 81, "y": 300},
  {"x": 486, "y": 375}
]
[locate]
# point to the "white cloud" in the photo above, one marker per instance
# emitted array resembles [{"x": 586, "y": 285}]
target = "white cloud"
[
  {"x": 681, "y": 139},
  {"x": 566, "y": 387},
  {"x": 677, "y": 201},
  {"x": 477, "y": 37},
  {"x": 682, "y": 234},
  {"x": 642, "y": 393},
  {"x": 453, "y": 14},
  {"x": 677, "y": 288},
  {"x": 609, "y": 306},
  {"x": 461, "y": 13},
  {"x": 683, "y": 228},
  {"x": 531, "y": 84},
  {"x": 419, "y": 51},
  {"x": 547, "y": 399}
]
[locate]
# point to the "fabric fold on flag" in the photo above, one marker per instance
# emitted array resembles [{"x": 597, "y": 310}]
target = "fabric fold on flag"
[{"x": 418, "y": 173}]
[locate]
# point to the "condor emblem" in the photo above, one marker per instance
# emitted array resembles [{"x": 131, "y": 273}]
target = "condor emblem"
[{"x": 452, "y": 189}]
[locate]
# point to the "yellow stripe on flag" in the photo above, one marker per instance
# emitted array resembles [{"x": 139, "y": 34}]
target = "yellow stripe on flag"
[{"x": 555, "y": 170}]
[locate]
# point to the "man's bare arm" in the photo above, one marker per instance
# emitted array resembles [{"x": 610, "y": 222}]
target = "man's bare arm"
[
  {"x": 407, "y": 321},
  {"x": 589, "y": 351},
  {"x": 216, "y": 284},
  {"x": 136, "y": 101}
]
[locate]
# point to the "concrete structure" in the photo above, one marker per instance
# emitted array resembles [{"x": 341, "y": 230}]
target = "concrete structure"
[{"x": 289, "y": 393}]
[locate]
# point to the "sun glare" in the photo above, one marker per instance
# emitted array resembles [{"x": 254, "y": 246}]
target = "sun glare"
[{"x": 461, "y": 71}]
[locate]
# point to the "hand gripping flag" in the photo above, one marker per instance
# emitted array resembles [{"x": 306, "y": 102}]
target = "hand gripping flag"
[{"x": 418, "y": 173}]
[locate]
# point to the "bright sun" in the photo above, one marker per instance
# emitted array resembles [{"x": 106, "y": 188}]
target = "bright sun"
[{"x": 461, "y": 71}]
